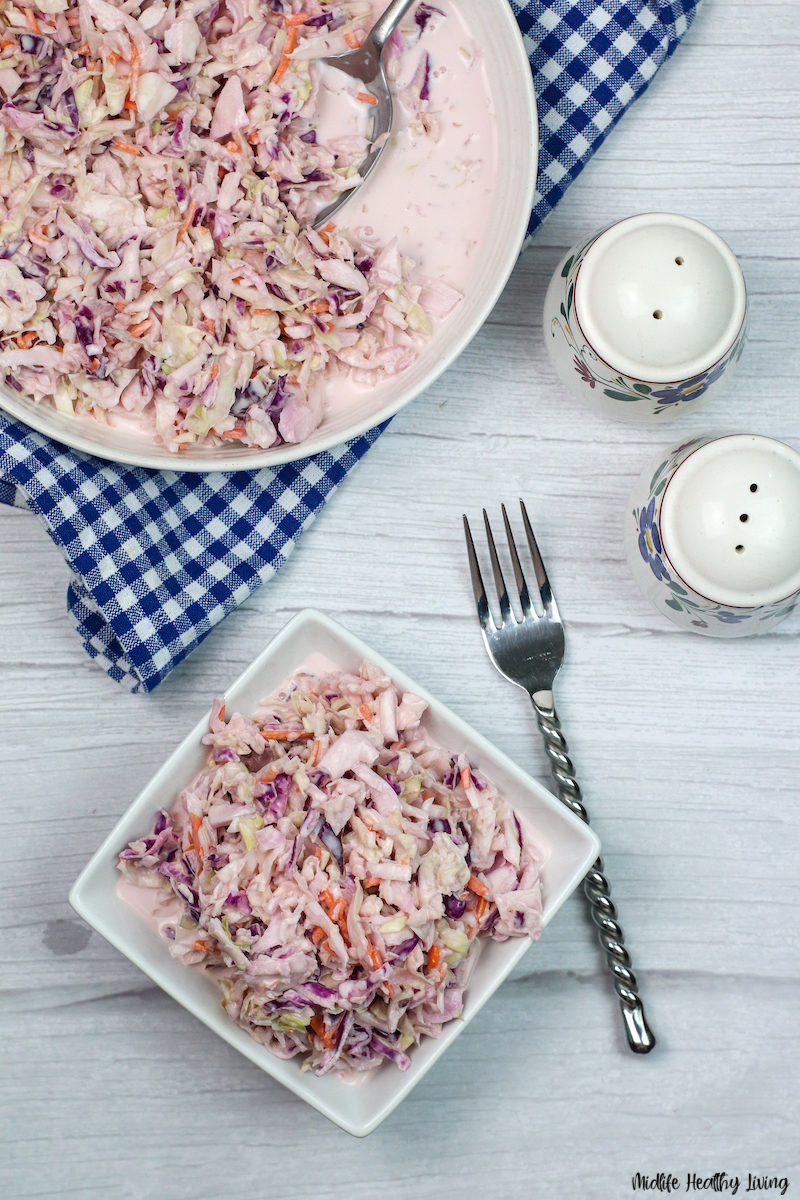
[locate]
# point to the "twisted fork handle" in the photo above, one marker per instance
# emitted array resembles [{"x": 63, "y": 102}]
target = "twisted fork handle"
[{"x": 596, "y": 887}]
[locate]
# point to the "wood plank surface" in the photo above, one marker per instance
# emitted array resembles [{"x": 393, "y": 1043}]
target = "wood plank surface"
[{"x": 687, "y": 748}]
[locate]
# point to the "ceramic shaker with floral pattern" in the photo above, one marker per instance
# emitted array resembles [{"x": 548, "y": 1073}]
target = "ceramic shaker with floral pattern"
[
  {"x": 712, "y": 533},
  {"x": 646, "y": 319}
]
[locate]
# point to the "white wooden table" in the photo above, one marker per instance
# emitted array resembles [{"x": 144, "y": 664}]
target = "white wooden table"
[{"x": 687, "y": 747}]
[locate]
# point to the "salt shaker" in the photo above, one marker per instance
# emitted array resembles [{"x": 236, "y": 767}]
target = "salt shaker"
[
  {"x": 712, "y": 533},
  {"x": 647, "y": 318}
]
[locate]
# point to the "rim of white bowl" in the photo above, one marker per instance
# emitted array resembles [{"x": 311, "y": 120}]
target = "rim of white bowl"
[{"x": 507, "y": 63}]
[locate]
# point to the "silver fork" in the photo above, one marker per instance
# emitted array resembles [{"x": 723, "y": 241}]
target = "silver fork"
[{"x": 529, "y": 653}]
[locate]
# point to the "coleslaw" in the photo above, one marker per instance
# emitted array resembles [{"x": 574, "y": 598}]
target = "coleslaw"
[
  {"x": 335, "y": 871},
  {"x": 159, "y": 172}
]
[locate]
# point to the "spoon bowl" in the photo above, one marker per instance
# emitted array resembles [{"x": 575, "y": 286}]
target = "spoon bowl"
[{"x": 365, "y": 64}]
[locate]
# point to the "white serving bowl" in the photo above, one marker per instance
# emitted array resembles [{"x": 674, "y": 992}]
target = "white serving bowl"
[
  {"x": 568, "y": 849},
  {"x": 495, "y": 30}
]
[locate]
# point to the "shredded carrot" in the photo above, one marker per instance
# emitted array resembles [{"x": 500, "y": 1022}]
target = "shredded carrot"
[
  {"x": 128, "y": 149},
  {"x": 329, "y": 228},
  {"x": 366, "y": 714},
  {"x": 377, "y": 961},
  {"x": 233, "y": 435},
  {"x": 26, "y": 340},
  {"x": 32, "y": 22},
  {"x": 433, "y": 956},
  {"x": 232, "y": 146},
  {"x": 291, "y": 42},
  {"x": 312, "y": 758},
  {"x": 130, "y": 105},
  {"x": 142, "y": 327},
  {"x": 209, "y": 324},
  {"x": 283, "y": 735},
  {"x": 114, "y": 58},
  {"x": 366, "y": 98},
  {"x": 318, "y": 935},
  {"x": 325, "y": 238},
  {"x": 400, "y": 745},
  {"x": 201, "y": 945},
  {"x": 134, "y": 83},
  {"x": 258, "y": 311},
  {"x": 466, "y": 781},
  {"x": 253, "y": 137},
  {"x": 475, "y": 885},
  {"x": 327, "y": 899},
  {"x": 183, "y": 445},
  {"x": 352, "y": 40},
  {"x": 371, "y": 883},
  {"x": 187, "y": 220},
  {"x": 195, "y": 838},
  {"x": 38, "y": 239},
  {"x": 73, "y": 18},
  {"x": 120, "y": 305},
  {"x": 480, "y": 908},
  {"x": 319, "y": 306},
  {"x": 7, "y": 42},
  {"x": 388, "y": 989},
  {"x": 321, "y": 1032},
  {"x": 83, "y": 49},
  {"x": 214, "y": 371},
  {"x": 295, "y": 19}
]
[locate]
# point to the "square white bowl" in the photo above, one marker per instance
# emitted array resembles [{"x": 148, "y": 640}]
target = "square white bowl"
[{"x": 568, "y": 850}]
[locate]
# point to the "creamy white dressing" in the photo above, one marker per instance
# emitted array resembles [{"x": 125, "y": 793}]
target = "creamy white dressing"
[{"x": 435, "y": 197}]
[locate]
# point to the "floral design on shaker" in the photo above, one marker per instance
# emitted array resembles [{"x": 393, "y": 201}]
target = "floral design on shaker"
[
  {"x": 680, "y": 598},
  {"x": 594, "y": 371}
]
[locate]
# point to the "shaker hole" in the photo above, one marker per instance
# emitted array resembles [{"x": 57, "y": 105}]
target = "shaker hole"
[
  {"x": 740, "y": 549},
  {"x": 679, "y": 261},
  {"x": 753, "y": 487},
  {"x": 658, "y": 314},
  {"x": 744, "y": 517}
]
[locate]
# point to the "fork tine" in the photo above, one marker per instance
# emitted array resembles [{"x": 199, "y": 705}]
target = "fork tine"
[
  {"x": 506, "y": 616},
  {"x": 548, "y": 600},
  {"x": 522, "y": 586},
  {"x": 484, "y": 612}
]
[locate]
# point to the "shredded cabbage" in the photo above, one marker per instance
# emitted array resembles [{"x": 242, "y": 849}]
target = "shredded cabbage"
[
  {"x": 338, "y": 909},
  {"x": 159, "y": 171}
]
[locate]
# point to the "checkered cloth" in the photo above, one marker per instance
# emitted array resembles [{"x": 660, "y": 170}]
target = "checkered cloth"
[{"x": 159, "y": 559}]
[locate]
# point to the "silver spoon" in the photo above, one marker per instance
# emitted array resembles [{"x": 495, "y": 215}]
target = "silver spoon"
[{"x": 365, "y": 64}]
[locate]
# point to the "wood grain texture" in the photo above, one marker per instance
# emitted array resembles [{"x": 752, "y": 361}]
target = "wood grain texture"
[{"x": 687, "y": 748}]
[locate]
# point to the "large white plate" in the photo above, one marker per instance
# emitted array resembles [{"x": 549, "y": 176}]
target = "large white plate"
[
  {"x": 495, "y": 29},
  {"x": 567, "y": 847}
]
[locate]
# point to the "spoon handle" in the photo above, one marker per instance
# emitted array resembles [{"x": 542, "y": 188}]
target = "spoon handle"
[{"x": 386, "y": 24}]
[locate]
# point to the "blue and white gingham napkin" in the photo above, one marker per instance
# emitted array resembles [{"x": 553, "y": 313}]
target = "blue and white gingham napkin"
[{"x": 159, "y": 558}]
